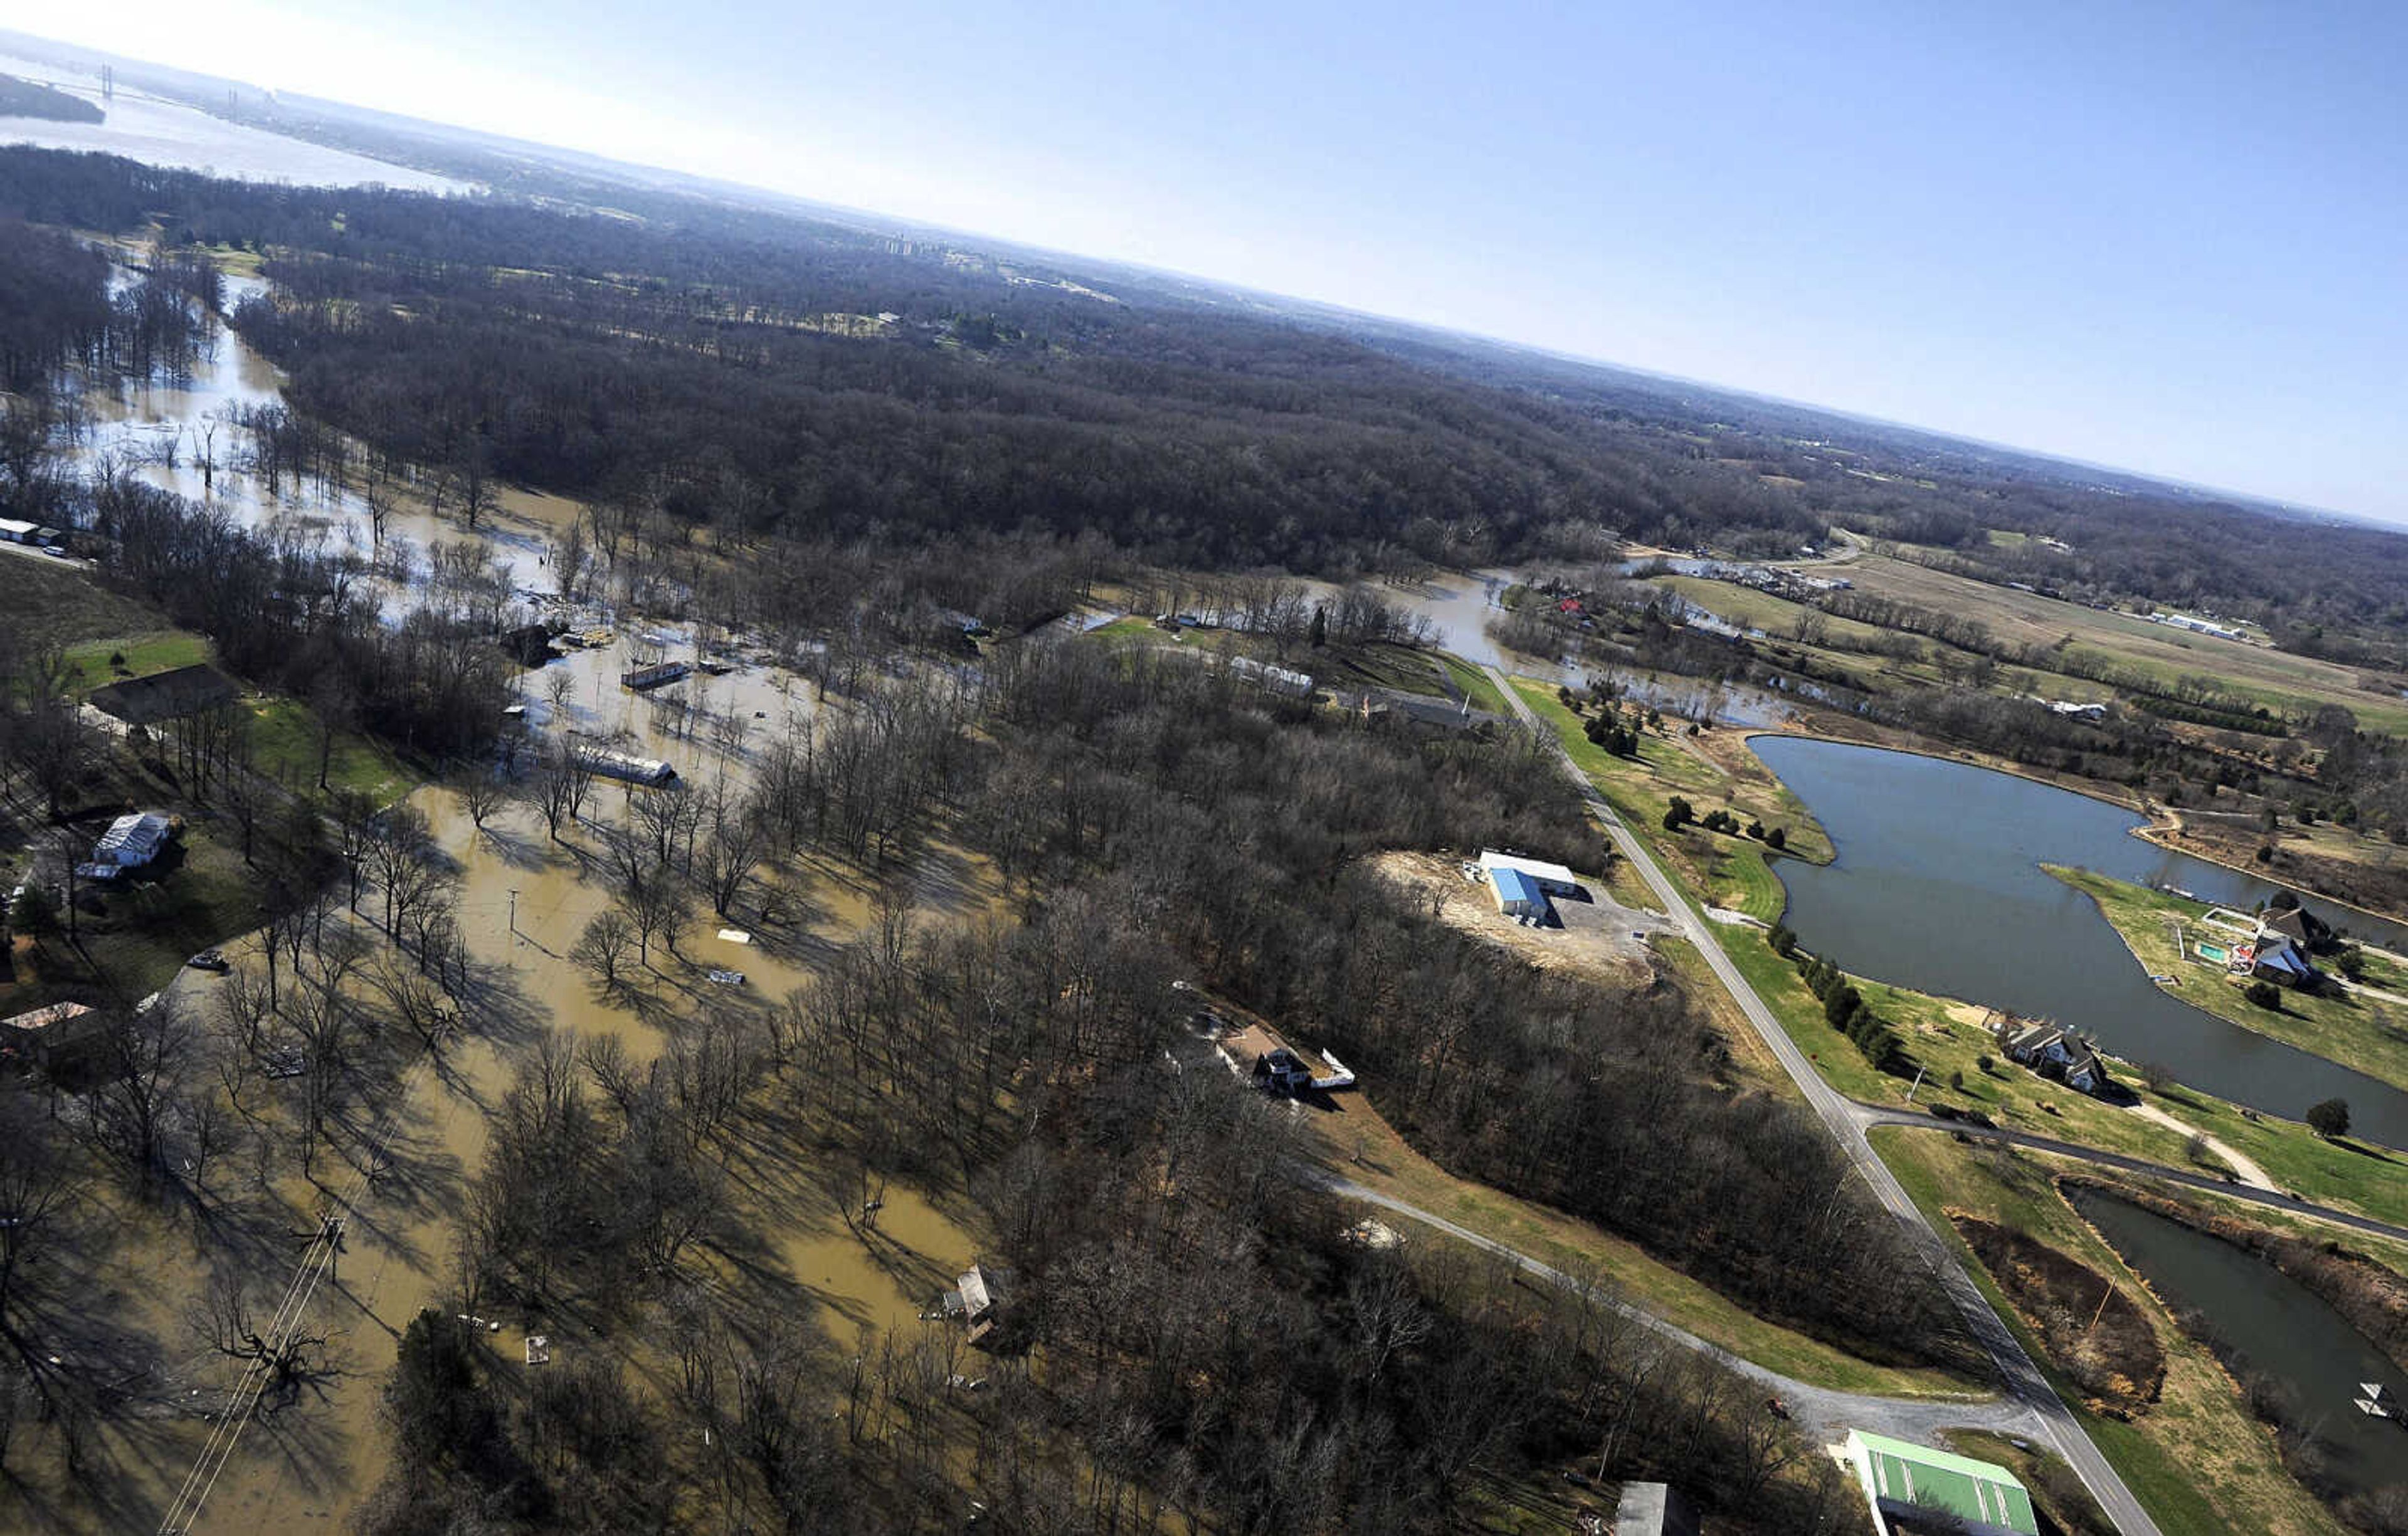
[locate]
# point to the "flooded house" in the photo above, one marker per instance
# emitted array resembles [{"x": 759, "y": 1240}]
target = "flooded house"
[
  {"x": 133, "y": 840},
  {"x": 977, "y": 1300},
  {"x": 658, "y": 675},
  {"x": 44, "y": 1038},
  {"x": 627, "y": 767}
]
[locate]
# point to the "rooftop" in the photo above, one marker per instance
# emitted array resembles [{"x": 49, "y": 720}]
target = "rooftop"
[
  {"x": 1978, "y": 1492},
  {"x": 164, "y": 695}
]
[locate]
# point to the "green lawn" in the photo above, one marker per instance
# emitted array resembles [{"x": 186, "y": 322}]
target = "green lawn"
[
  {"x": 1945, "y": 1038},
  {"x": 1475, "y": 685},
  {"x": 143, "y": 654},
  {"x": 284, "y": 740},
  {"x": 2355, "y": 1031},
  {"x": 1726, "y": 869}
]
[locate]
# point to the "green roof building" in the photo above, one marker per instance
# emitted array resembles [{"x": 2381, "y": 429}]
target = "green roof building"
[{"x": 1900, "y": 1479}]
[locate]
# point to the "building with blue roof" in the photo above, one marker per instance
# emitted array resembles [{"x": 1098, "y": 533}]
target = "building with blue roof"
[{"x": 1519, "y": 896}]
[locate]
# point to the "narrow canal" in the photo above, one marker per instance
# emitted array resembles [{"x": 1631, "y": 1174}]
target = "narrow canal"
[
  {"x": 2276, "y": 1328},
  {"x": 1938, "y": 887}
]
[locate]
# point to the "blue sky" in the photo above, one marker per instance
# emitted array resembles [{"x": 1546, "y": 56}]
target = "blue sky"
[{"x": 2171, "y": 238}]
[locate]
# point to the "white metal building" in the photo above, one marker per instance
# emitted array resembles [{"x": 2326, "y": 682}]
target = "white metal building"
[{"x": 1551, "y": 878}]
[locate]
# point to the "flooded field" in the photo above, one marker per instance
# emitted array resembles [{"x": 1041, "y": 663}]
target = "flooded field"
[
  {"x": 169, "y": 431},
  {"x": 178, "y": 137},
  {"x": 523, "y": 899}
]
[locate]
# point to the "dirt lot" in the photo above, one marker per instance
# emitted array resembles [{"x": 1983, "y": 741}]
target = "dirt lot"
[{"x": 1598, "y": 935}]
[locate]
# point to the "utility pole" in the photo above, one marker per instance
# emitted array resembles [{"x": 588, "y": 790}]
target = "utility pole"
[{"x": 514, "y": 912}]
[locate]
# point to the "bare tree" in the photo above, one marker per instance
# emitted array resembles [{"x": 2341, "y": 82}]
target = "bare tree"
[
  {"x": 482, "y": 791},
  {"x": 37, "y": 1187},
  {"x": 603, "y": 946},
  {"x": 148, "y": 1053},
  {"x": 732, "y": 849},
  {"x": 228, "y": 1319}
]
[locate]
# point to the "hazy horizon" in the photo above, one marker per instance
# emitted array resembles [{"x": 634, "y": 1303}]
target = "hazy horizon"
[{"x": 2026, "y": 246}]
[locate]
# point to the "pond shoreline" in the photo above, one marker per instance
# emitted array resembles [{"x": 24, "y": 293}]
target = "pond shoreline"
[
  {"x": 1939, "y": 887},
  {"x": 2334, "y": 1454}
]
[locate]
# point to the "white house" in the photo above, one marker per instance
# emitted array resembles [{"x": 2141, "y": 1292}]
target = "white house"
[{"x": 133, "y": 840}]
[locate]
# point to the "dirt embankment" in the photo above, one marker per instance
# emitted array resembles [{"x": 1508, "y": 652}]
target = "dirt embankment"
[
  {"x": 2093, "y": 1332},
  {"x": 2372, "y": 1297},
  {"x": 1597, "y": 936}
]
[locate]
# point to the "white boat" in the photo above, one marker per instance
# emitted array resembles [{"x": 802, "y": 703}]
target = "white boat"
[{"x": 2372, "y": 1402}]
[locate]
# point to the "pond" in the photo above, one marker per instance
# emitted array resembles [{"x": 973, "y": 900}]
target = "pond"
[
  {"x": 1938, "y": 887},
  {"x": 2278, "y": 1328}
]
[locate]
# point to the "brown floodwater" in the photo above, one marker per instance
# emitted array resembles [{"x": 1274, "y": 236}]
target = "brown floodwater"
[
  {"x": 522, "y": 900},
  {"x": 308, "y": 1469}
]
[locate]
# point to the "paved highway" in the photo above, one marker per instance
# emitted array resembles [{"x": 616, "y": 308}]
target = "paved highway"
[{"x": 2056, "y": 1423}]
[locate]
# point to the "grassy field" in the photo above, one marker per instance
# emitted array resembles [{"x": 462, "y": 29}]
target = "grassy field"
[
  {"x": 1475, "y": 685},
  {"x": 1748, "y": 608},
  {"x": 1723, "y": 869},
  {"x": 2196, "y": 1459},
  {"x": 2358, "y": 1031},
  {"x": 2277, "y": 679},
  {"x": 57, "y": 605},
  {"x": 137, "y": 654},
  {"x": 1944, "y": 1037},
  {"x": 284, "y": 738}
]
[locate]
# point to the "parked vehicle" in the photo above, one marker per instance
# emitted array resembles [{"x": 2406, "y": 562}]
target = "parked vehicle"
[{"x": 209, "y": 959}]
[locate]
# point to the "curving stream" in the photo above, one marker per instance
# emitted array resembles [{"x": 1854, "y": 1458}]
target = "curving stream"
[{"x": 1938, "y": 887}]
